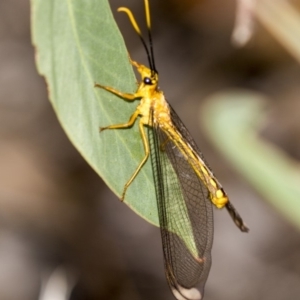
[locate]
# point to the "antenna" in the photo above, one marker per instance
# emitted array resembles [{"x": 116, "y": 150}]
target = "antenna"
[
  {"x": 148, "y": 20},
  {"x": 134, "y": 24}
]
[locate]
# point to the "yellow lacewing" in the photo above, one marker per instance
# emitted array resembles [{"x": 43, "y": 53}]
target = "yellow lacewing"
[{"x": 186, "y": 188}]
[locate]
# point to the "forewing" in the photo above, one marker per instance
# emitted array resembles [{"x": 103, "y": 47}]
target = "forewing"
[
  {"x": 185, "y": 214},
  {"x": 188, "y": 139}
]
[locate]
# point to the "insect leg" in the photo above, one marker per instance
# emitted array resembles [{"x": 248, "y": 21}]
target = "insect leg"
[
  {"x": 134, "y": 63},
  {"x": 126, "y": 96},
  {"x": 147, "y": 152},
  {"x": 125, "y": 125}
]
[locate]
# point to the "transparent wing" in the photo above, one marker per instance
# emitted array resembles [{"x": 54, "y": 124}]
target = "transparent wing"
[
  {"x": 185, "y": 214},
  {"x": 189, "y": 140}
]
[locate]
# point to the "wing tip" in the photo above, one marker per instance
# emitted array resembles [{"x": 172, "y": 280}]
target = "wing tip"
[{"x": 181, "y": 293}]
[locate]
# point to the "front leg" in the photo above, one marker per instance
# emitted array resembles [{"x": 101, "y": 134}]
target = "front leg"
[{"x": 126, "y": 96}]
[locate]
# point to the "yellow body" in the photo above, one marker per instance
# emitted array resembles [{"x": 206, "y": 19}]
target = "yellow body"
[{"x": 153, "y": 100}]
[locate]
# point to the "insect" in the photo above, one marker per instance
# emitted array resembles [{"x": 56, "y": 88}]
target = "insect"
[{"x": 186, "y": 188}]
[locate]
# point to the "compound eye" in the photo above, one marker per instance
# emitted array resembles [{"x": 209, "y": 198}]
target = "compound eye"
[{"x": 147, "y": 80}]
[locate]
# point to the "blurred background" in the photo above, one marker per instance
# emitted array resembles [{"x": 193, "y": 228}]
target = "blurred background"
[{"x": 64, "y": 235}]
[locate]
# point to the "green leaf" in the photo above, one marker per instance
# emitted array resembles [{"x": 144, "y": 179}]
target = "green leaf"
[
  {"x": 232, "y": 120},
  {"x": 77, "y": 44}
]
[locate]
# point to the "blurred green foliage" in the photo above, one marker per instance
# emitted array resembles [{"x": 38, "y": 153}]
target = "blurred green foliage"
[{"x": 232, "y": 121}]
